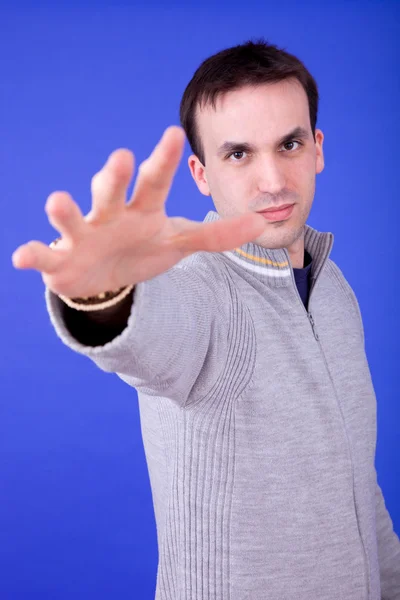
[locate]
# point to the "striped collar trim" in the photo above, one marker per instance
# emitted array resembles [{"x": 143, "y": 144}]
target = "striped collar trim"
[
  {"x": 259, "y": 264},
  {"x": 275, "y": 263}
]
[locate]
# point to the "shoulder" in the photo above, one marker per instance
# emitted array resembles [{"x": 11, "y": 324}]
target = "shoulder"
[
  {"x": 210, "y": 265},
  {"x": 207, "y": 273},
  {"x": 334, "y": 272}
]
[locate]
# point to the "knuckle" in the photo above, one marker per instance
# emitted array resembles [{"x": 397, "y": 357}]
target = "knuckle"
[
  {"x": 95, "y": 180},
  {"x": 155, "y": 179},
  {"x": 144, "y": 168},
  {"x": 104, "y": 182}
]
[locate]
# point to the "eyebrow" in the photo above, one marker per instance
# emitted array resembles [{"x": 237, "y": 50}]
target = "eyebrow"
[{"x": 229, "y": 147}]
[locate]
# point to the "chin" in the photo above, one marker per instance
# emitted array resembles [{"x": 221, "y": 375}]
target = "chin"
[{"x": 279, "y": 235}]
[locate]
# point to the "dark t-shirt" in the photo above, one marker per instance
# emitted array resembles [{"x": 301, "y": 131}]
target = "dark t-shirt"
[{"x": 302, "y": 277}]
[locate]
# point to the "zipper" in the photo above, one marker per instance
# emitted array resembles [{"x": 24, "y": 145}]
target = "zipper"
[
  {"x": 313, "y": 325},
  {"x": 308, "y": 313},
  {"x": 316, "y": 336}
]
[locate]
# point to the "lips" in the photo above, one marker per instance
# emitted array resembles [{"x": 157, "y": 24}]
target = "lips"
[
  {"x": 276, "y": 208},
  {"x": 278, "y": 214}
]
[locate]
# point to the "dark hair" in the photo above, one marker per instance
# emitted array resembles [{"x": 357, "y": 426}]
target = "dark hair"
[{"x": 252, "y": 63}]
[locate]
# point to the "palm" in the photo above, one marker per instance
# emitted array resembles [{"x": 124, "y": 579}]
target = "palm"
[{"x": 121, "y": 243}]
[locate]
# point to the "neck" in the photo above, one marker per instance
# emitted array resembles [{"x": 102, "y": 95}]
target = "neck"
[{"x": 296, "y": 253}]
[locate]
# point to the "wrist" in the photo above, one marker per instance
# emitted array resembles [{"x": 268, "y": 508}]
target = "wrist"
[{"x": 99, "y": 302}]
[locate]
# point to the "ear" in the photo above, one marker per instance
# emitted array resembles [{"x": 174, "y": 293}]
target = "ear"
[
  {"x": 319, "y": 158},
  {"x": 198, "y": 172}
]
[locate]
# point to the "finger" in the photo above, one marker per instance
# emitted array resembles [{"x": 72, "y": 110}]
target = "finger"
[
  {"x": 38, "y": 256},
  {"x": 65, "y": 216},
  {"x": 109, "y": 186},
  {"x": 156, "y": 174},
  {"x": 222, "y": 235}
]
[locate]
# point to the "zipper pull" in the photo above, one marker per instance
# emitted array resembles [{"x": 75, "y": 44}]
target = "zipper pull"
[{"x": 313, "y": 326}]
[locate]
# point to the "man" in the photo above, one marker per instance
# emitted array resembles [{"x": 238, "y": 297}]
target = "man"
[{"x": 244, "y": 341}]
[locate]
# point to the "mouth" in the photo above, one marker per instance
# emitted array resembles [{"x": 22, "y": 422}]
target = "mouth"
[{"x": 278, "y": 214}]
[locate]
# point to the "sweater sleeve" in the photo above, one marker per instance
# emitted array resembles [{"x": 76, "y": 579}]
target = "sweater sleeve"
[
  {"x": 178, "y": 320},
  {"x": 388, "y": 550}
]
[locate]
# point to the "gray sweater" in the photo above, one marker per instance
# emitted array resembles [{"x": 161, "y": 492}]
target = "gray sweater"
[{"x": 259, "y": 426}]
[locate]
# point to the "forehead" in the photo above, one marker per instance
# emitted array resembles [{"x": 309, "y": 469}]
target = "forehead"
[{"x": 254, "y": 113}]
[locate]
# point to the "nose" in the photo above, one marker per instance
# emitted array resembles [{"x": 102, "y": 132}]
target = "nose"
[{"x": 270, "y": 176}]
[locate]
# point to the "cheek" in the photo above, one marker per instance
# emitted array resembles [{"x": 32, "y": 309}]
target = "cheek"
[
  {"x": 302, "y": 176},
  {"x": 309, "y": 183},
  {"x": 230, "y": 191},
  {"x": 229, "y": 182}
]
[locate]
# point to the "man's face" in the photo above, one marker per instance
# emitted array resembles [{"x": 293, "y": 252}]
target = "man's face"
[{"x": 251, "y": 164}]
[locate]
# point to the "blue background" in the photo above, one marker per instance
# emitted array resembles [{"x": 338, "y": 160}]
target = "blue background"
[{"x": 78, "y": 81}]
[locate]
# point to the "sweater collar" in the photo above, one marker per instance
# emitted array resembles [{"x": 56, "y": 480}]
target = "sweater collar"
[{"x": 273, "y": 265}]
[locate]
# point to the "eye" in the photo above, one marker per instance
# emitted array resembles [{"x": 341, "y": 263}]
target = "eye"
[
  {"x": 236, "y": 156},
  {"x": 290, "y": 143}
]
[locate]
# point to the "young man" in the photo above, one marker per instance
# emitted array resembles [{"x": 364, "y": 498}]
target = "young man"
[{"x": 244, "y": 341}]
